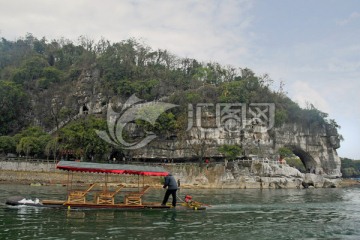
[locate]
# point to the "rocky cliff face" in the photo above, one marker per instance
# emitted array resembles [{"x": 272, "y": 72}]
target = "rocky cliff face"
[
  {"x": 314, "y": 145},
  {"x": 56, "y": 106},
  {"x": 245, "y": 175}
]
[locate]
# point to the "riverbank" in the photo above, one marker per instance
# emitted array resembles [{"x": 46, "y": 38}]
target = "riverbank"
[
  {"x": 349, "y": 182},
  {"x": 62, "y": 178},
  {"x": 345, "y": 182},
  {"x": 234, "y": 175}
]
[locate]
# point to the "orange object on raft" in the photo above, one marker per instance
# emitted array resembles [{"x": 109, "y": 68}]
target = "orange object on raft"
[{"x": 112, "y": 168}]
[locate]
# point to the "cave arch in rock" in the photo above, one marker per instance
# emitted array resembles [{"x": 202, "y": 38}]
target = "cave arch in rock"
[
  {"x": 305, "y": 157},
  {"x": 85, "y": 109}
]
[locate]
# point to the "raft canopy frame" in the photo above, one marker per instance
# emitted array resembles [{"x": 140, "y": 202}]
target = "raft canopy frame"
[{"x": 112, "y": 168}]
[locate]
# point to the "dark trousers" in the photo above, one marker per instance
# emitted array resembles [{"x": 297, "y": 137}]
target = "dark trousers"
[{"x": 167, "y": 194}]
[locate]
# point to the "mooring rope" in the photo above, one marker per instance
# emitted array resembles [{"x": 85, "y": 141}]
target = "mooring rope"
[{"x": 179, "y": 198}]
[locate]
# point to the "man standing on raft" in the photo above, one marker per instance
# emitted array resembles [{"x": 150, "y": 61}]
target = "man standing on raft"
[{"x": 172, "y": 187}]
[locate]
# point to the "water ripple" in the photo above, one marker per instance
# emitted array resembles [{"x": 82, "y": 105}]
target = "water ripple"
[{"x": 235, "y": 214}]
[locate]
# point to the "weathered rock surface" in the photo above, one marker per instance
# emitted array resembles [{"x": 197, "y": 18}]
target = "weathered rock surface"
[
  {"x": 316, "y": 148},
  {"x": 258, "y": 175},
  {"x": 314, "y": 145}
]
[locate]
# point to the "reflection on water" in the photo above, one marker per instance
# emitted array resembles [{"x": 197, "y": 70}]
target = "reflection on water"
[{"x": 235, "y": 214}]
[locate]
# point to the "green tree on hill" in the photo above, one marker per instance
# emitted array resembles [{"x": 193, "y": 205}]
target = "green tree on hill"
[
  {"x": 350, "y": 168},
  {"x": 80, "y": 136},
  {"x": 7, "y": 145},
  {"x": 31, "y": 142},
  {"x": 14, "y": 103},
  {"x": 231, "y": 152}
]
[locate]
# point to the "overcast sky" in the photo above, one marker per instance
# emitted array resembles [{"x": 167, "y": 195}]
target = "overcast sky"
[{"x": 313, "y": 46}]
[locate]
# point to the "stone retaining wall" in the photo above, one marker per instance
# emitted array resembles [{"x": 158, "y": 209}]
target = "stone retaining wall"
[{"x": 28, "y": 166}]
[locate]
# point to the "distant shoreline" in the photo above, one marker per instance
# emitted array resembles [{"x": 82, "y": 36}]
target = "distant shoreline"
[
  {"x": 214, "y": 176},
  {"x": 56, "y": 178},
  {"x": 349, "y": 182}
]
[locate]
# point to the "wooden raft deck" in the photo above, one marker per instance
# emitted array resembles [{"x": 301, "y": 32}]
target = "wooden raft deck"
[{"x": 62, "y": 203}]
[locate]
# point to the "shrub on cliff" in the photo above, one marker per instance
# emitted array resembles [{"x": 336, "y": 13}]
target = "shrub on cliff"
[{"x": 230, "y": 152}]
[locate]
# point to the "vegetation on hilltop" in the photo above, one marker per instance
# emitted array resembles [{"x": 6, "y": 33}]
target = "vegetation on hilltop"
[
  {"x": 36, "y": 76},
  {"x": 350, "y": 168}
]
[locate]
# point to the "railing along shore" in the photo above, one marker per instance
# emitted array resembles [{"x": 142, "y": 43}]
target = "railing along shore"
[
  {"x": 21, "y": 159},
  {"x": 160, "y": 162}
]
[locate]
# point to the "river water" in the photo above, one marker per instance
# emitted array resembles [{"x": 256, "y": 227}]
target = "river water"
[{"x": 234, "y": 214}]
